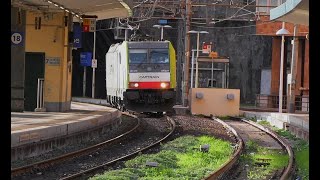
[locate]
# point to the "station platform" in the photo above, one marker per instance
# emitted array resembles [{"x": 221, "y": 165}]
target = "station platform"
[
  {"x": 29, "y": 128},
  {"x": 296, "y": 123}
]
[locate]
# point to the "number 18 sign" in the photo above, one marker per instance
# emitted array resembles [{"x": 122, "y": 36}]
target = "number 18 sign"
[{"x": 16, "y": 38}]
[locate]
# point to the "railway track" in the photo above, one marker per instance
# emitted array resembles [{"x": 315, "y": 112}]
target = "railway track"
[
  {"x": 227, "y": 166},
  {"x": 49, "y": 162},
  {"x": 241, "y": 129},
  {"x": 127, "y": 156},
  {"x": 288, "y": 171},
  {"x": 244, "y": 131},
  {"x": 86, "y": 156}
]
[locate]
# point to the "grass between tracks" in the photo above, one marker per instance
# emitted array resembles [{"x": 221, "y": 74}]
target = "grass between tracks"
[
  {"x": 300, "y": 148},
  {"x": 178, "y": 159},
  {"x": 277, "y": 160}
]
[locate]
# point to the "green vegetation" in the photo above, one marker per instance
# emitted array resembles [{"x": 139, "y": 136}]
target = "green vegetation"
[
  {"x": 254, "y": 119},
  {"x": 301, "y": 153},
  {"x": 265, "y": 123},
  {"x": 285, "y": 133},
  {"x": 248, "y": 105},
  {"x": 300, "y": 148},
  {"x": 224, "y": 117},
  {"x": 201, "y": 116},
  {"x": 178, "y": 159},
  {"x": 254, "y": 153},
  {"x": 302, "y": 160}
]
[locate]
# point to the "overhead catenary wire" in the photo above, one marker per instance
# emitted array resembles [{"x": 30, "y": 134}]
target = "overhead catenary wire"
[
  {"x": 235, "y": 27},
  {"x": 223, "y": 27}
]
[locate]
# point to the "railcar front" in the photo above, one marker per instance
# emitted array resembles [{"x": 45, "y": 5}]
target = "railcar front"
[{"x": 151, "y": 77}]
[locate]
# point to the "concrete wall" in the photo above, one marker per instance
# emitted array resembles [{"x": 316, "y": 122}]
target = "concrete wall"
[
  {"x": 297, "y": 124},
  {"x": 248, "y": 52},
  {"x": 215, "y": 102},
  {"x": 52, "y": 39},
  {"x": 18, "y": 20},
  {"x": 248, "y": 55}
]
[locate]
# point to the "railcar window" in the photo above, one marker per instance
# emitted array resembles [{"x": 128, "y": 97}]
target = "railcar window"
[
  {"x": 137, "y": 56},
  {"x": 159, "y": 56}
]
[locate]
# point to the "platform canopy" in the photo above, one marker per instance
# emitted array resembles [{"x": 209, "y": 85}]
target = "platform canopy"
[
  {"x": 292, "y": 11},
  {"x": 104, "y": 9}
]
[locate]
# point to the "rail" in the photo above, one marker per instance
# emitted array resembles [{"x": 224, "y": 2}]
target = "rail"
[
  {"x": 222, "y": 171},
  {"x": 49, "y": 162},
  {"x": 290, "y": 167},
  {"x": 74, "y": 176}
]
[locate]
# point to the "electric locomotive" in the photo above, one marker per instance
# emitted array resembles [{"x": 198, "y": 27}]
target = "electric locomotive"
[{"x": 141, "y": 76}]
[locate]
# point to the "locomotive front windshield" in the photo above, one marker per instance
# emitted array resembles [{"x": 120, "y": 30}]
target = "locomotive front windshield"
[
  {"x": 138, "y": 56},
  {"x": 159, "y": 56},
  {"x": 147, "y": 56},
  {"x": 149, "y": 60}
]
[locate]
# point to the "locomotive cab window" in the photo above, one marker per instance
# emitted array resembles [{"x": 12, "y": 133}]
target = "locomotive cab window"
[
  {"x": 159, "y": 56},
  {"x": 137, "y": 56}
]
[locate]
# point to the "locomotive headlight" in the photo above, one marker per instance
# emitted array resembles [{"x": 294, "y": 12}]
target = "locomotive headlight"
[
  {"x": 134, "y": 85},
  {"x": 163, "y": 85}
]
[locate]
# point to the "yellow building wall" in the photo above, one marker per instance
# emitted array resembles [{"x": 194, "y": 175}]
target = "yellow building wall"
[
  {"x": 214, "y": 102},
  {"x": 172, "y": 66},
  {"x": 52, "y": 39}
]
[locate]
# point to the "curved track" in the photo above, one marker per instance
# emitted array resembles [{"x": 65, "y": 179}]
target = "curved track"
[
  {"x": 288, "y": 171},
  {"x": 242, "y": 130},
  {"x": 74, "y": 176},
  {"x": 245, "y": 130},
  {"x": 59, "y": 159},
  {"x": 227, "y": 166}
]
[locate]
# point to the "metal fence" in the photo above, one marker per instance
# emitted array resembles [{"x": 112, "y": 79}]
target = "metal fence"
[{"x": 272, "y": 101}]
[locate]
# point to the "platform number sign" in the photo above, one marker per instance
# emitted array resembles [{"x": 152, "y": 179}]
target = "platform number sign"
[
  {"x": 92, "y": 25},
  {"x": 89, "y": 25},
  {"x": 85, "y": 25},
  {"x": 16, "y": 38}
]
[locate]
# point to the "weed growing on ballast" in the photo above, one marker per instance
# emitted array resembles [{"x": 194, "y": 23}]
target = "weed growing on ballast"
[
  {"x": 178, "y": 159},
  {"x": 300, "y": 148},
  {"x": 261, "y": 161}
]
